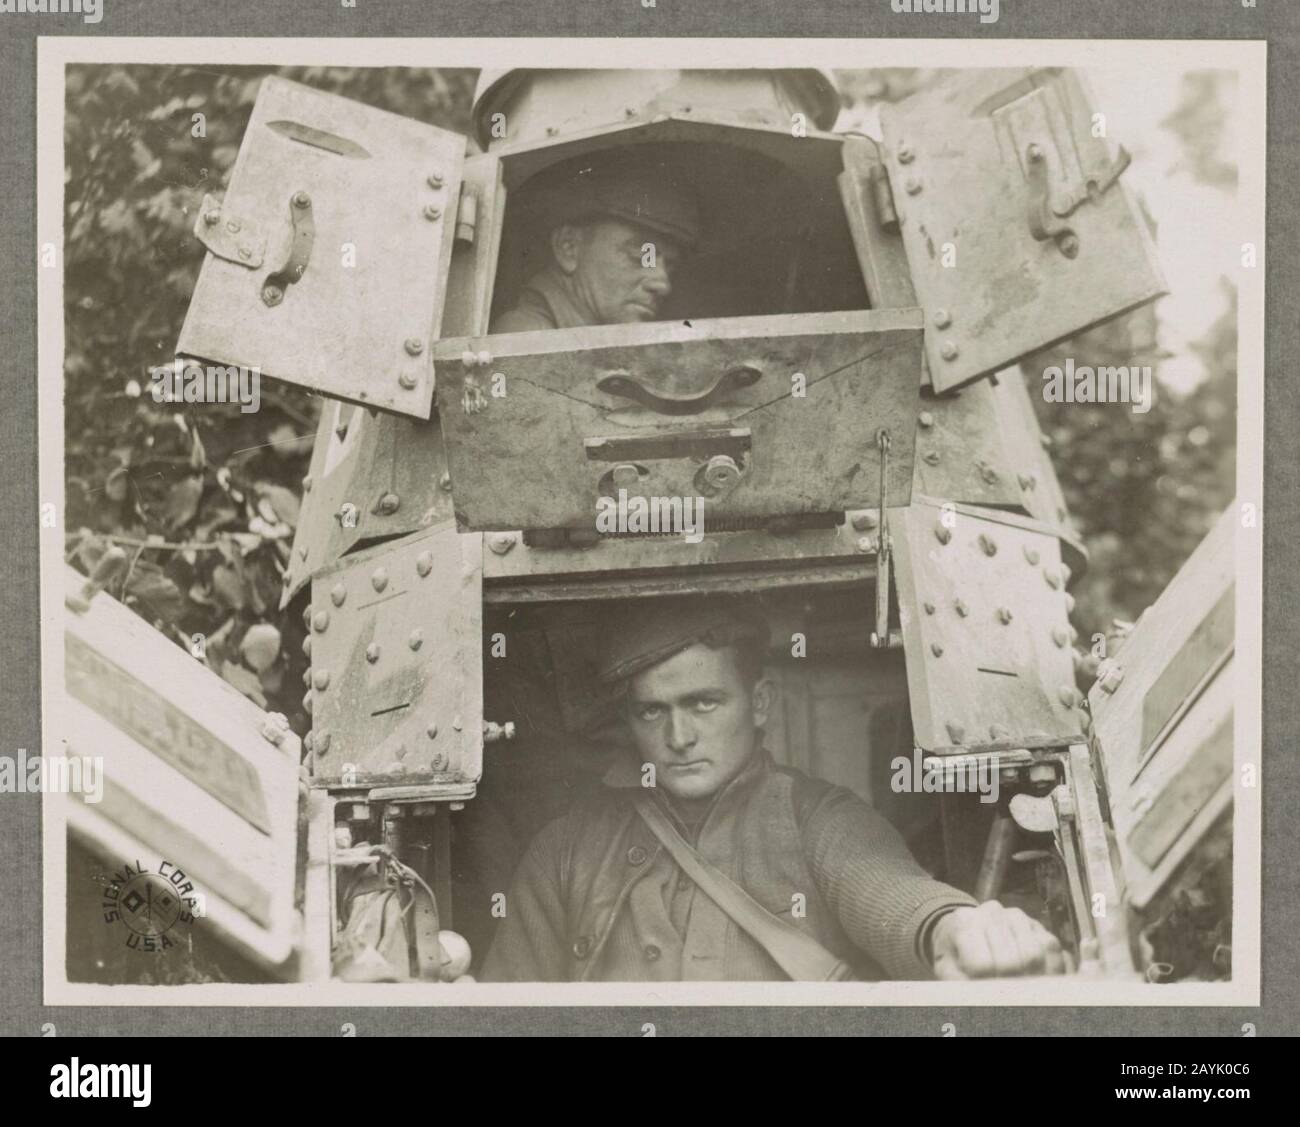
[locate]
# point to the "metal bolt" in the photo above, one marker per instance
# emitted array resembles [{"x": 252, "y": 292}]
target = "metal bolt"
[
  {"x": 1068, "y": 696},
  {"x": 484, "y": 359},
  {"x": 432, "y": 731},
  {"x": 956, "y": 732},
  {"x": 306, "y": 678},
  {"x": 338, "y": 594},
  {"x": 416, "y": 640},
  {"x": 913, "y": 186},
  {"x": 456, "y": 723},
  {"x": 1069, "y": 245},
  {"x": 212, "y": 217},
  {"x": 942, "y": 533},
  {"x": 930, "y": 457},
  {"x": 414, "y": 346},
  {"x": 925, "y": 419},
  {"x": 961, "y": 608},
  {"x": 501, "y": 542},
  {"x": 1053, "y": 579},
  {"x": 379, "y": 578},
  {"x": 388, "y": 504},
  {"x": 372, "y": 653},
  {"x": 435, "y": 179},
  {"x": 999, "y": 732},
  {"x": 307, "y": 702},
  {"x": 929, "y": 607},
  {"x": 989, "y": 474},
  {"x": 306, "y": 617},
  {"x": 306, "y": 484},
  {"x": 301, "y": 199},
  {"x": 949, "y": 350},
  {"x": 1060, "y": 637},
  {"x": 1004, "y": 616},
  {"x": 629, "y": 111},
  {"x": 936, "y": 649},
  {"x": 866, "y": 544},
  {"x": 320, "y": 621},
  {"x": 407, "y": 380},
  {"x": 444, "y": 483},
  {"x": 245, "y": 252},
  {"x": 272, "y": 295},
  {"x": 438, "y": 762},
  {"x": 1110, "y": 677},
  {"x": 423, "y": 564},
  {"x": 321, "y": 744},
  {"x": 865, "y": 520},
  {"x": 1031, "y": 554},
  {"x": 306, "y": 646},
  {"x": 1069, "y": 603},
  {"x": 1028, "y": 481},
  {"x": 233, "y": 226},
  {"x": 988, "y": 545},
  {"x": 321, "y": 679},
  {"x": 905, "y": 154},
  {"x": 468, "y": 359},
  {"x": 432, "y": 212},
  {"x": 942, "y": 318}
]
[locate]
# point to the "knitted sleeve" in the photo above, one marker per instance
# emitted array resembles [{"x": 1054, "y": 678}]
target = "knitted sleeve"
[
  {"x": 881, "y": 896},
  {"x": 529, "y": 944}
]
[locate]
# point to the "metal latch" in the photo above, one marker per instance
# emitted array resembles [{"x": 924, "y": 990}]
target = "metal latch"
[
  {"x": 880, "y": 635},
  {"x": 1044, "y": 217},
  {"x": 229, "y": 237},
  {"x": 300, "y": 245}
]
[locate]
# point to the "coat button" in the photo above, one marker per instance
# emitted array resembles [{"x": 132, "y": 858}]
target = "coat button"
[
  {"x": 582, "y": 947},
  {"x": 636, "y": 855},
  {"x": 652, "y": 953}
]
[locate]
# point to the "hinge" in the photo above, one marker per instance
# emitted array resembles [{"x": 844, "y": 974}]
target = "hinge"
[
  {"x": 882, "y": 197},
  {"x": 228, "y": 236},
  {"x": 467, "y": 214}
]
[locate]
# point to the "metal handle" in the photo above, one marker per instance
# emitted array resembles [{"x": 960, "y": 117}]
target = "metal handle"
[
  {"x": 304, "y": 236},
  {"x": 626, "y": 386}
]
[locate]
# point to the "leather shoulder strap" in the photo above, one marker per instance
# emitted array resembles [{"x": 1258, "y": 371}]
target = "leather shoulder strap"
[{"x": 798, "y": 954}]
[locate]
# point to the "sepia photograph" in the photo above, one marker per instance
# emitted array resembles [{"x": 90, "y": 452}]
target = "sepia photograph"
[{"x": 556, "y": 526}]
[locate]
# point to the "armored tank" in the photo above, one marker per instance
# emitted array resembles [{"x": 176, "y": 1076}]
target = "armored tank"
[{"x": 834, "y": 373}]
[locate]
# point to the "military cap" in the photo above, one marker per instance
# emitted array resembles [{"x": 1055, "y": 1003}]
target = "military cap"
[
  {"x": 647, "y": 188},
  {"x": 653, "y": 630}
]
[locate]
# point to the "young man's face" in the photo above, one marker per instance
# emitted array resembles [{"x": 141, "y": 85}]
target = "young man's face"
[
  {"x": 612, "y": 271},
  {"x": 694, "y": 717}
]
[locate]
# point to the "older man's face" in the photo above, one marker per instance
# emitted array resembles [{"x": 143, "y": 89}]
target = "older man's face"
[
  {"x": 696, "y": 719},
  {"x": 619, "y": 270}
]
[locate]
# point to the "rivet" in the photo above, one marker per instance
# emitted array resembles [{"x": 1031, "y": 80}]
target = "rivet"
[
  {"x": 1069, "y": 245},
  {"x": 936, "y": 649},
  {"x": 1031, "y": 554},
  {"x": 866, "y": 544},
  {"x": 414, "y": 346},
  {"x": 379, "y": 578},
  {"x": 389, "y": 503},
  {"x": 942, "y": 533},
  {"x": 435, "y": 179},
  {"x": 444, "y": 483},
  {"x": 306, "y": 484},
  {"x": 372, "y": 652},
  {"x": 925, "y": 419},
  {"x": 438, "y": 762},
  {"x": 245, "y": 252},
  {"x": 629, "y": 111},
  {"x": 988, "y": 545},
  {"x": 468, "y": 359},
  {"x": 423, "y": 564},
  {"x": 989, "y": 474},
  {"x": 929, "y": 608},
  {"x": 407, "y": 380},
  {"x": 930, "y": 457},
  {"x": 306, "y": 678},
  {"x": 1053, "y": 580},
  {"x": 501, "y": 542},
  {"x": 321, "y": 679},
  {"x": 322, "y": 742},
  {"x": 432, "y": 212},
  {"x": 301, "y": 199},
  {"x": 307, "y": 702},
  {"x": 1027, "y": 481},
  {"x": 1068, "y": 695},
  {"x": 212, "y": 217},
  {"x": 320, "y": 621},
  {"x": 905, "y": 154},
  {"x": 999, "y": 732},
  {"x": 913, "y": 186},
  {"x": 956, "y": 732},
  {"x": 456, "y": 723},
  {"x": 942, "y": 318},
  {"x": 961, "y": 608},
  {"x": 484, "y": 358},
  {"x": 948, "y": 350},
  {"x": 306, "y": 618},
  {"x": 1004, "y": 615},
  {"x": 233, "y": 226},
  {"x": 416, "y": 640},
  {"x": 432, "y": 731},
  {"x": 1069, "y": 603},
  {"x": 1060, "y": 637},
  {"x": 865, "y": 521},
  {"x": 306, "y": 646},
  {"x": 338, "y": 594}
]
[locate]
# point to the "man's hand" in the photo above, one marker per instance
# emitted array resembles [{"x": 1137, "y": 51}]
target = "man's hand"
[{"x": 992, "y": 941}]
